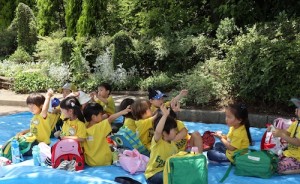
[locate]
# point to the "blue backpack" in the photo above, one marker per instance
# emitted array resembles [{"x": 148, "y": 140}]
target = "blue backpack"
[{"x": 128, "y": 139}]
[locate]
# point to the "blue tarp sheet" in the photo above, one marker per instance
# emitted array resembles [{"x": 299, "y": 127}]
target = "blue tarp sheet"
[{"x": 26, "y": 172}]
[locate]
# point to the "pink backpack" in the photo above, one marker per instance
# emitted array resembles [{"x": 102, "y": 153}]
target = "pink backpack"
[
  {"x": 67, "y": 150},
  {"x": 275, "y": 144},
  {"x": 132, "y": 161}
]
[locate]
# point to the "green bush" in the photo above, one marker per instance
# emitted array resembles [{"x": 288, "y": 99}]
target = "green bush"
[
  {"x": 123, "y": 52},
  {"x": 67, "y": 45},
  {"x": 206, "y": 83},
  {"x": 8, "y": 42},
  {"x": 20, "y": 56},
  {"x": 159, "y": 81},
  {"x": 32, "y": 81},
  {"x": 49, "y": 48},
  {"x": 25, "y": 24},
  {"x": 265, "y": 65}
]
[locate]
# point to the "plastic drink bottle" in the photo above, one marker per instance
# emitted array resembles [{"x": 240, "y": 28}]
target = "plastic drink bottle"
[
  {"x": 15, "y": 151},
  {"x": 36, "y": 155}
]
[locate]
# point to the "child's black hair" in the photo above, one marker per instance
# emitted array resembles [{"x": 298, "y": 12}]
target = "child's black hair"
[
  {"x": 169, "y": 124},
  {"x": 36, "y": 99},
  {"x": 72, "y": 103},
  {"x": 92, "y": 109},
  {"x": 124, "y": 104},
  {"x": 240, "y": 111},
  {"x": 139, "y": 108},
  {"x": 106, "y": 86}
]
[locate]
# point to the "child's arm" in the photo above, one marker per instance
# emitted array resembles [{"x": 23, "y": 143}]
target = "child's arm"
[
  {"x": 223, "y": 139},
  {"x": 285, "y": 135},
  {"x": 118, "y": 114},
  {"x": 182, "y": 94},
  {"x": 160, "y": 126},
  {"x": 23, "y": 132},
  {"x": 181, "y": 134},
  {"x": 46, "y": 103}
]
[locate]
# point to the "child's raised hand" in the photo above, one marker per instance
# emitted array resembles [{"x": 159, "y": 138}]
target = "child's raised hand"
[
  {"x": 175, "y": 105},
  {"x": 184, "y": 92},
  {"x": 164, "y": 110},
  {"x": 217, "y": 134},
  {"x": 127, "y": 110},
  {"x": 50, "y": 93}
]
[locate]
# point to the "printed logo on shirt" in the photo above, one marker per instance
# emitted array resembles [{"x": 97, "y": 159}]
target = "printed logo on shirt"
[
  {"x": 72, "y": 131},
  {"x": 36, "y": 122},
  {"x": 90, "y": 138},
  {"x": 160, "y": 162}
]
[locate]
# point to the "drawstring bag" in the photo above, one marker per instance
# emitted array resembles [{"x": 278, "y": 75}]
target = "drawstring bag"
[
  {"x": 208, "y": 140},
  {"x": 132, "y": 161}
]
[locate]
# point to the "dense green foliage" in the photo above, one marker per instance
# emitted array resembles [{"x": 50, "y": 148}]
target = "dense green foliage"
[
  {"x": 73, "y": 10},
  {"x": 50, "y": 16},
  {"x": 218, "y": 49},
  {"x": 123, "y": 51},
  {"x": 25, "y": 25}
]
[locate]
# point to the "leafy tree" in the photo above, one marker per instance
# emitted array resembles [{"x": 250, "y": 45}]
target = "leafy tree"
[
  {"x": 73, "y": 11},
  {"x": 50, "y": 16},
  {"x": 7, "y": 9},
  {"x": 25, "y": 24},
  {"x": 92, "y": 18}
]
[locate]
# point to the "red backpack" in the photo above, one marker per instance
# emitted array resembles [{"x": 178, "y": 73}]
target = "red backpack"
[
  {"x": 67, "y": 150},
  {"x": 208, "y": 140},
  {"x": 275, "y": 144}
]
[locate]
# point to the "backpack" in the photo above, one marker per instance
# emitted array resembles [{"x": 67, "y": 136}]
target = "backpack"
[
  {"x": 275, "y": 144},
  {"x": 26, "y": 142},
  {"x": 128, "y": 139},
  {"x": 133, "y": 161},
  {"x": 67, "y": 150},
  {"x": 254, "y": 163},
  {"x": 185, "y": 168},
  {"x": 262, "y": 164},
  {"x": 208, "y": 140}
]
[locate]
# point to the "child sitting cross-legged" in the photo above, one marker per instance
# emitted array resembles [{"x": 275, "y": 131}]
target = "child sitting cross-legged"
[
  {"x": 162, "y": 146},
  {"x": 143, "y": 120},
  {"x": 96, "y": 149}
]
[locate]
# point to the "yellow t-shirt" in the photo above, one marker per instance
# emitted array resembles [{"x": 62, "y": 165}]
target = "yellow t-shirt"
[
  {"x": 40, "y": 127},
  {"x": 96, "y": 149},
  {"x": 110, "y": 107},
  {"x": 130, "y": 123},
  {"x": 154, "y": 109},
  {"x": 145, "y": 131},
  {"x": 74, "y": 128},
  {"x": 53, "y": 118},
  {"x": 238, "y": 138},
  {"x": 181, "y": 144},
  {"x": 293, "y": 151},
  {"x": 160, "y": 152}
]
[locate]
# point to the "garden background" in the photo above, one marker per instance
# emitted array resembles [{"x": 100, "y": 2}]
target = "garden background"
[{"x": 220, "y": 50}]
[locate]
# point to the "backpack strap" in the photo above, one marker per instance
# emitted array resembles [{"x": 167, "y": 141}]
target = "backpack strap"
[
  {"x": 236, "y": 154},
  {"x": 226, "y": 173}
]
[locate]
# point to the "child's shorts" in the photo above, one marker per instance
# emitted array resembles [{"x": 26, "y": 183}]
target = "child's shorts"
[{"x": 288, "y": 164}]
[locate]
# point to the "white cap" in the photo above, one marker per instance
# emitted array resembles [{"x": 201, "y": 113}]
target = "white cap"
[
  {"x": 83, "y": 97},
  {"x": 69, "y": 86}
]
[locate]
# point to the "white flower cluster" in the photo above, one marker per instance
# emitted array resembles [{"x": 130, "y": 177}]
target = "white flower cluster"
[
  {"x": 59, "y": 73},
  {"x": 104, "y": 69}
]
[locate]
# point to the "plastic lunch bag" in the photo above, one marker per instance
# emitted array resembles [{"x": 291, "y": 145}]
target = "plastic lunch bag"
[{"x": 132, "y": 161}]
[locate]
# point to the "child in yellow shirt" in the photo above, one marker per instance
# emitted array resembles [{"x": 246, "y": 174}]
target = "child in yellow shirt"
[
  {"x": 162, "y": 146},
  {"x": 143, "y": 120},
  {"x": 238, "y": 137},
  {"x": 96, "y": 149},
  {"x": 40, "y": 125},
  {"x": 128, "y": 121},
  {"x": 156, "y": 98},
  {"x": 289, "y": 162},
  {"x": 104, "y": 98},
  {"x": 73, "y": 126}
]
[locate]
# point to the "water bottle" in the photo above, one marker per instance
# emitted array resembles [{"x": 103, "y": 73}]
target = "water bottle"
[
  {"x": 36, "y": 155},
  {"x": 15, "y": 152}
]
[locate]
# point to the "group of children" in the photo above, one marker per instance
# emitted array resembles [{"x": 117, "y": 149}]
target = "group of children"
[{"x": 88, "y": 119}]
